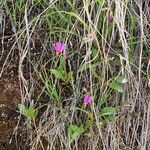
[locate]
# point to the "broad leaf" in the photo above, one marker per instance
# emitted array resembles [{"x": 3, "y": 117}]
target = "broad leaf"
[
  {"x": 70, "y": 74},
  {"x": 30, "y": 112},
  {"x": 21, "y": 108},
  {"x": 58, "y": 74},
  {"x": 74, "y": 132},
  {"x": 108, "y": 111},
  {"x": 121, "y": 79},
  {"x": 116, "y": 86}
]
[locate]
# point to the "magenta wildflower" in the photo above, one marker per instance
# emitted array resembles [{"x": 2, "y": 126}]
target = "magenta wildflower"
[
  {"x": 87, "y": 100},
  {"x": 59, "y": 47}
]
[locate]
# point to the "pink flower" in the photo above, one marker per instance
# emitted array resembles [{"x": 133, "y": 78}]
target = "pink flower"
[
  {"x": 59, "y": 47},
  {"x": 87, "y": 100}
]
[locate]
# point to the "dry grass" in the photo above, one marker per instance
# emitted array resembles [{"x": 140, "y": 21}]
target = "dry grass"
[{"x": 113, "y": 47}]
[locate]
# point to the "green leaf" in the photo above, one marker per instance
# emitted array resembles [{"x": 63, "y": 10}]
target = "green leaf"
[
  {"x": 95, "y": 55},
  {"x": 21, "y": 108},
  {"x": 58, "y": 74},
  {"x": 74, "y": 132},
  {"x": 78, "y": 18},
  {"x": 108, "y": 111},
  {"x": 121, "y": 79},
  {"x": 116, "y": 86},
  {"x": 103, "y": 99},
  {"x": 30, "y": 112},
  {"x": 54, "y": 94},
  {"x": 62, "y": 65},
  {"x": 70, "y": 74},
  {"x": 100, "y": 2}
]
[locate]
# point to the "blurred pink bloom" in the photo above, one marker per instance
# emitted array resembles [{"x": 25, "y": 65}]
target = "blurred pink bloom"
[
  {"x": 59, "y": 47},
  {"x": 87, "y": 100}
]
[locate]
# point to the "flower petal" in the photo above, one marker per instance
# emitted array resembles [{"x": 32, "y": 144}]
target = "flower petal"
[
  {"x": 87, "y": 99},
  {"x": 59, "y": 47}
]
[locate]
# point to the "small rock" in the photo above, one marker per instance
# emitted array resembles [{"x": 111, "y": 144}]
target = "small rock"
[{"x": 2, "y": 105}]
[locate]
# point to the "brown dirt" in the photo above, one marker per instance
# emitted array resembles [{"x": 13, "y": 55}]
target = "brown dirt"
[{"x": 9, "y": 99}]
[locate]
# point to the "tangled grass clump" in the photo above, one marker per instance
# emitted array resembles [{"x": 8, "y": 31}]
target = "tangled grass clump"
[{"x": 91, "y": 91}]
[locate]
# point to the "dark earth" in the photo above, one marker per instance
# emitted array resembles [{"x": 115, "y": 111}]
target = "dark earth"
[
  {"x": 12, "y": 129},
  {"x": 10, "y": 138}
]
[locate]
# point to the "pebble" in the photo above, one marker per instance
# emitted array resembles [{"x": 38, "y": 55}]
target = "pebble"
[{"x": 2, "y": 105}]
